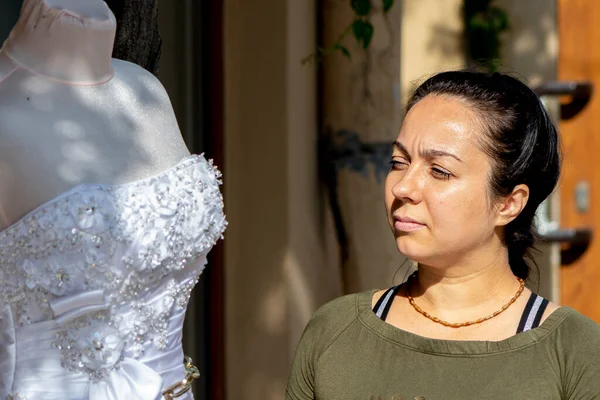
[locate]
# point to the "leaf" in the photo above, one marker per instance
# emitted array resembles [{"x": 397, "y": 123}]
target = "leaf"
[
  {"x": 367, "y": 34},
  {"x": 343, "y": 50},
  {"x": 362, "y": 8},
  {"x": 357, "y": 29},
  {"x": 478, "y": 21},
  {"x": 499, "y": 19},
  {"x": 363, "y": 32},
  {"x": 387, "y": 5}
]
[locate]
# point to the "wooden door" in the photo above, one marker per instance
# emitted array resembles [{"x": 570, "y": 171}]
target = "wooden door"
[{"x": 579, "y": 59}]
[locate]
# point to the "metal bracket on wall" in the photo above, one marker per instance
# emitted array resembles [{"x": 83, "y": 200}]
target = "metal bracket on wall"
[
  {"x": 580, "y": 93},
  {"x": 575, "y": 241}
]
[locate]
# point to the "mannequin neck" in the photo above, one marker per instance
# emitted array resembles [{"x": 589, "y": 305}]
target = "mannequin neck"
[{"x": 66, "y": 40}]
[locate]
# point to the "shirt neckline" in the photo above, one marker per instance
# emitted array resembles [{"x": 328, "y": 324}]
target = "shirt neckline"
[{"x": 457, "y": 348}]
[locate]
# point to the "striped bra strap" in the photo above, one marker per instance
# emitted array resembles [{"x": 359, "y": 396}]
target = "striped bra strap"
[
  {"x": 383, "y": 305},
  {"x": 531, "y": 318},
  {"x": 532, "y": 315}
]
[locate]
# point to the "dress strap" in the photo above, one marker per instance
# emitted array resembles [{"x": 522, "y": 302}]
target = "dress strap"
[
  {"x": 532, "y": 315},
  {"x": 383, "y": 305}
]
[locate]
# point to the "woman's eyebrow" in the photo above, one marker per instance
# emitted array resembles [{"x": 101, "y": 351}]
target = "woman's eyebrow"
[{"x": 427, "y": 153}]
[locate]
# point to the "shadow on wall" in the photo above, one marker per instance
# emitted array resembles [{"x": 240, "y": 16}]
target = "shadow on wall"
[
  {"x": 446, "y": 40},
  {"x": 529, "y": 47}
]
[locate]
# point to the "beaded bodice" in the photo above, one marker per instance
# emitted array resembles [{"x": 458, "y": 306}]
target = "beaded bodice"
[{"x": 105, "y": 268}]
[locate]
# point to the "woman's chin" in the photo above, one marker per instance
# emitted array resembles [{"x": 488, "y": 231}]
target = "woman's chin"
[{"x": 413, "y": 249}]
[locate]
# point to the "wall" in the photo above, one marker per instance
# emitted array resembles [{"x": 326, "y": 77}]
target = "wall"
[
  {"x": 431, "y": 41},
  {"x": 276, "y": 269},
  {"x": 362, "y": 111},
  {"x": 530, "y": 47}
]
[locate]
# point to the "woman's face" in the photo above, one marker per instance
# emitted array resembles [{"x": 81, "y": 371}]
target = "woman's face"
[{"x": 437, "y": 191}]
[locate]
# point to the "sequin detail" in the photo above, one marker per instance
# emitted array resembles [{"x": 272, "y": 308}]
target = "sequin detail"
[
  {"x": 123, "y": 239},
  {"x": 15, "y": 396},
  {"x": 92, "y": 345}
]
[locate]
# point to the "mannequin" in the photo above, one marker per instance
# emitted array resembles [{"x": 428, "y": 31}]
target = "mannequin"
[
  {"x": 106, "y": 220},
  {"x": 69, "y": 114}
]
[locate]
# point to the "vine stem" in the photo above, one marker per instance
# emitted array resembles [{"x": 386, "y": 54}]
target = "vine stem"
[{"x": 324, "y": 51}]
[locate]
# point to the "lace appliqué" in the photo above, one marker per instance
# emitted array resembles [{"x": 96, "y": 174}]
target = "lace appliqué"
[
  {"x": 122, "y": 239},
  {"x": 150, "y": 322},
  {"x": 15, "y": 396}
]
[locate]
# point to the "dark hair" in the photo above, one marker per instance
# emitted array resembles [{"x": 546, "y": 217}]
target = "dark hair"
[{"x": 520, "y": 139}]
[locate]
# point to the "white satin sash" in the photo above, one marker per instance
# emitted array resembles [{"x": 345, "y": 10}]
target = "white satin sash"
[{"x": 38, "y": 373}]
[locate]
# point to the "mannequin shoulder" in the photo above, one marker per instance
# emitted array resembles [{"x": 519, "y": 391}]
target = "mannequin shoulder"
[
  {"x": 142, "y": 82},
  {"x": 7, "y": 67}
]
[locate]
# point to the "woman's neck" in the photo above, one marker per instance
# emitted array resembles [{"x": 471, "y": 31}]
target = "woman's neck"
[
  {"x": 72, "y": 45},
  {"x": 465, "y": 288}
]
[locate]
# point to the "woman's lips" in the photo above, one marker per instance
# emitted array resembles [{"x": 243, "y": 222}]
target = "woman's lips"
[{"x": 407, "y": 225}]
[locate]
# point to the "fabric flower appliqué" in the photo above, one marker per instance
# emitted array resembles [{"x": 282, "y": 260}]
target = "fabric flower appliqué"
[
  {"x": 91, "y": 211},
  {"x": 91, "y": 345}
]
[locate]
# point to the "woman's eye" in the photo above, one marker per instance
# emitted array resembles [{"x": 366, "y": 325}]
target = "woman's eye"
[
  {"x": 440, "y": 174},
  {"x": 397, "y": 164}
]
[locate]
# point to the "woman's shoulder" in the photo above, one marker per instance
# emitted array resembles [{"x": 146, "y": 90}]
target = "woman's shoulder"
[
  {"x": 575, "y": 336},
  {"x": 577, "y": 342},
  {"x": 336, "y": 315},
  {"x": 575, "y": 325},
  {"x": 341, "y": 308}
]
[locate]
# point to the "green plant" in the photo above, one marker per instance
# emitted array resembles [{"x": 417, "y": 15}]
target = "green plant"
[
  {"x": 484, "y": 23},
  {"x": 361, "y": 28}
]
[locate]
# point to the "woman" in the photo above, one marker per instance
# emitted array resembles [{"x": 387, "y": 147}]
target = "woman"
[{"x": 475, "y": 157}]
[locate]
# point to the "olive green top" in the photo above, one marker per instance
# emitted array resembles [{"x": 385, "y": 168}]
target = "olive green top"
[{"x": 347, "y": 352}]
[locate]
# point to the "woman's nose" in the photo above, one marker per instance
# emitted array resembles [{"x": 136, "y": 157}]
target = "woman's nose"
[{"x": 408, "y": 187}]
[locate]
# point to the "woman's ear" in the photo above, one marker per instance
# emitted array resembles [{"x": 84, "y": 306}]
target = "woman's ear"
[{"x": 511, "y": 206}]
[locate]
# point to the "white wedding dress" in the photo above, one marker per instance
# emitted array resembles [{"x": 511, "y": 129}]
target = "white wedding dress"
[{"x": 94, "y": 285}]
